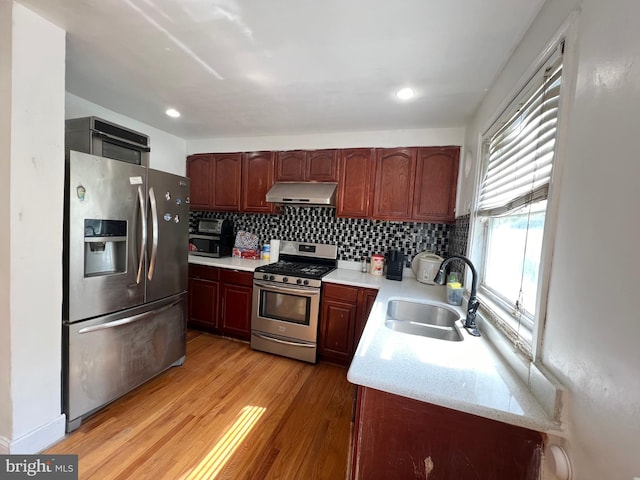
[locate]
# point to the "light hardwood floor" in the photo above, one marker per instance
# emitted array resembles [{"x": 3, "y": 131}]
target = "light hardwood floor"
[{"x": 228, "y": 413}]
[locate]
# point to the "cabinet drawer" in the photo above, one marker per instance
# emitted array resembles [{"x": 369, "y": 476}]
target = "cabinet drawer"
[
  {"x": 202, "y": 271},
  {"x": 236, "y": 277},
  {"x": 340, "y": 292}
]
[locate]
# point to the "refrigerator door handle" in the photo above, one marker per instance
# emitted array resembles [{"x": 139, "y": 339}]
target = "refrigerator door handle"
[
  {"x": 143, "y": 243},
  {"x": 154, "y": 223},
  {"x": 124, "y": 321}
]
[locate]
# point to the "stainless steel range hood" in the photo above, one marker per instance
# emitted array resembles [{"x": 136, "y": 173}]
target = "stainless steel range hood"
[{"x": 303, "y": 193}]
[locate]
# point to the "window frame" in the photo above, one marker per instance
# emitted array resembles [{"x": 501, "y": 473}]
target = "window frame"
[{"x": 492, "y": 309}]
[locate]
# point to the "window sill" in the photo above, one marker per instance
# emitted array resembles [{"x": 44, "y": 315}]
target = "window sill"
[{"x": 550, "y": 394}]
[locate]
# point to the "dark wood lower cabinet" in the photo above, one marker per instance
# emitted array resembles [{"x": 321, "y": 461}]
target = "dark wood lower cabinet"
[
  {"x": 235, "y": 308},
  {"x": 344, "y": 312},
  {"x": 401, "y": 438},
  {"x": 220, "y": 301},
  {"x": 203, "y": 304}
]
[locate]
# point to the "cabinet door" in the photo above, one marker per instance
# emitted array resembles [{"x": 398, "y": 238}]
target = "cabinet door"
[
  {"x": 337, "y": 326},
  {"x": 258, "y": 170},
  {"x": 356, "y": 183},
  {"x": 203, "y": 304},
  {"x": 398, "y": 437},
  {"x": 227, "y": 175},
  {"x": 366, "y": 299},
  {"x": 290, "y": 166},
  {"x": 199, "y": 171},
  {"x": 337, "y": 322},
  {"x": 235, "y": 313},
  {"x": 322, "y": 166},
  {"x": 394, "y": 184},
  {"x": 434, "y": 198}
]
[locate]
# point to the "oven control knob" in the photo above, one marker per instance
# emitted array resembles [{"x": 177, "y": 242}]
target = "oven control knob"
[
  {"x": 265, "y": 277},
  {"x": 306, "y": 282},
  {"x": 272, "y": 277},
  {"x": 285, "y": 279},
  {"x": 299, "y": 281}
]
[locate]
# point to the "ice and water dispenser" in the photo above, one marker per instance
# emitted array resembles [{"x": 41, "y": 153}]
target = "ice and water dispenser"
[{"x": 105, "y": 247}]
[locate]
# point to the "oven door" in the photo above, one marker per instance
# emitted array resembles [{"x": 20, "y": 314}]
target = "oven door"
[{"x": 286, "y": 311}]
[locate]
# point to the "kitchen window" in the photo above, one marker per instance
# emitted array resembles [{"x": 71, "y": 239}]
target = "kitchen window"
[{"x": 518, "y": 156}]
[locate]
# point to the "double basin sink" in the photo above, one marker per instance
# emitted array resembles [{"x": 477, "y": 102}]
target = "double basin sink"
[{"x": 423, "y": 319}]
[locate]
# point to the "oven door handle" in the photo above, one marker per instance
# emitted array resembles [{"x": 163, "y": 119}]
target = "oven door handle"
[
  {"x": 310, "y": 292},
  {"x": 277, "y": 340}
]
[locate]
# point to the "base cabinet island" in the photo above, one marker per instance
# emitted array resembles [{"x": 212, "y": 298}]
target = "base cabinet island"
[{"x": 401, "y": 438}]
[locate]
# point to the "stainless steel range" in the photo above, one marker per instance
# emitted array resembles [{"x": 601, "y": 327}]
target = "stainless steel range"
[{"x": 286, "y": 300}]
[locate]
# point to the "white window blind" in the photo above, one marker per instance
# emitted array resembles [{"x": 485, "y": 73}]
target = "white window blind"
[{"x": 521, "y": 151}]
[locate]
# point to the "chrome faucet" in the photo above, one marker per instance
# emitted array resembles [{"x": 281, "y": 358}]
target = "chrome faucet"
[{"x": 472, "y": 306}]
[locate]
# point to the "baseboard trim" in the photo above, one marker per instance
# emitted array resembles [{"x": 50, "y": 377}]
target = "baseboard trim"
[
  {"x": 36, "y": 440},
  {"x": 4, "y": 446}
]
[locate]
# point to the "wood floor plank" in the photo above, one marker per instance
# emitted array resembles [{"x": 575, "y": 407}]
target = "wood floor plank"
[{"x": 228, "y": 413}]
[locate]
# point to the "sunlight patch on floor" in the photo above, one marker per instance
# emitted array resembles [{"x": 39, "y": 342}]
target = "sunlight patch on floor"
[{"x": 216, "y": 459}]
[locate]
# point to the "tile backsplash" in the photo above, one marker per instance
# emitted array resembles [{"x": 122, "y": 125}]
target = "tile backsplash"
[
  {"x": 458, "y": 239},
  {"x": 355, "y": 238}
]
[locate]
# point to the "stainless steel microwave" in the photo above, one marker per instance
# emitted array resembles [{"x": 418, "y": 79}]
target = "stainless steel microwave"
[
  {"x": 208, "y": 246},
  {"x": 96, "y": 136}
]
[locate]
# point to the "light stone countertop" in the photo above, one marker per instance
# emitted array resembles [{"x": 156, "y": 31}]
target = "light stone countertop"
[
  {"x": 468, "y": 376},
  {"x": 233, "y": 263}
]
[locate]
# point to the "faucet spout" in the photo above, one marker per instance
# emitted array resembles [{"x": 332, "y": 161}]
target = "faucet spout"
[{"x": 474, "y": 303}]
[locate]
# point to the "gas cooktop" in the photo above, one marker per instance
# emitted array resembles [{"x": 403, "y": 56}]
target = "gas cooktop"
[
  {"x": 300, "y": 263},
  {"x": 305, "y": 270}
]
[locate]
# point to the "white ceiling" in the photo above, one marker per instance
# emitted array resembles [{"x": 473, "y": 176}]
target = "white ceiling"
[{"x": 279, "y": 67}]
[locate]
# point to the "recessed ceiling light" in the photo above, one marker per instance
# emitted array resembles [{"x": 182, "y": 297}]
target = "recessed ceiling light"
[
  {"x": 405, "y": 93},
  {"x": 172, "y": 112}
]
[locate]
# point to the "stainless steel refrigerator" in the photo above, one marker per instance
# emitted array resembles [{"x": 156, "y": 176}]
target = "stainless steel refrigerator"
[{"x": 125, "y": 259}]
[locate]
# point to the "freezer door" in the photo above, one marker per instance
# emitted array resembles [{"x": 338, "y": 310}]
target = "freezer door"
[
  {"x": 168, "y": 234},
  {"x": 104, "y": 236},
  {"x": 108, "y": 356}
]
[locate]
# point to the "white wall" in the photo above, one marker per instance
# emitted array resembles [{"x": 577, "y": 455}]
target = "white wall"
[
  {"x": 395, "y": 138},
  {"x": 6, "y": 409},
  {"x": 35, "y": 185},
  {"x": 168, "y": 152},
  {"x": 593, "y": 325}
]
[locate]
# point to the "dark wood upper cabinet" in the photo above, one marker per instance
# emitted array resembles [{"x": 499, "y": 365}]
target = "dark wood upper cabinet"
[
  {"x": 258, "y": 173},
  {"x": 307, "y": 166},
  {"x": 355, "y": 183},
  {"x": 290, "y": 166},
  {"x": 402, "y": 184},
  {"x": 215, "y": 181},
  {"x": 322, "y": 166},
  {"x": 434, "y": 198},
  {"x": 394, "y": 183},
  {"x": 227, "y": 176},
  {"x": 198, "y": 171}
]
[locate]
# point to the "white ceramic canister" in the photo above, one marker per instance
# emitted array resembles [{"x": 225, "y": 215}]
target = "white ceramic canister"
[{"x": 377, "y": 265}]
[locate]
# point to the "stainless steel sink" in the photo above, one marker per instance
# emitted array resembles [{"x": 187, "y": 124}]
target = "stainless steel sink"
[{"x": 424, "y": 319}]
